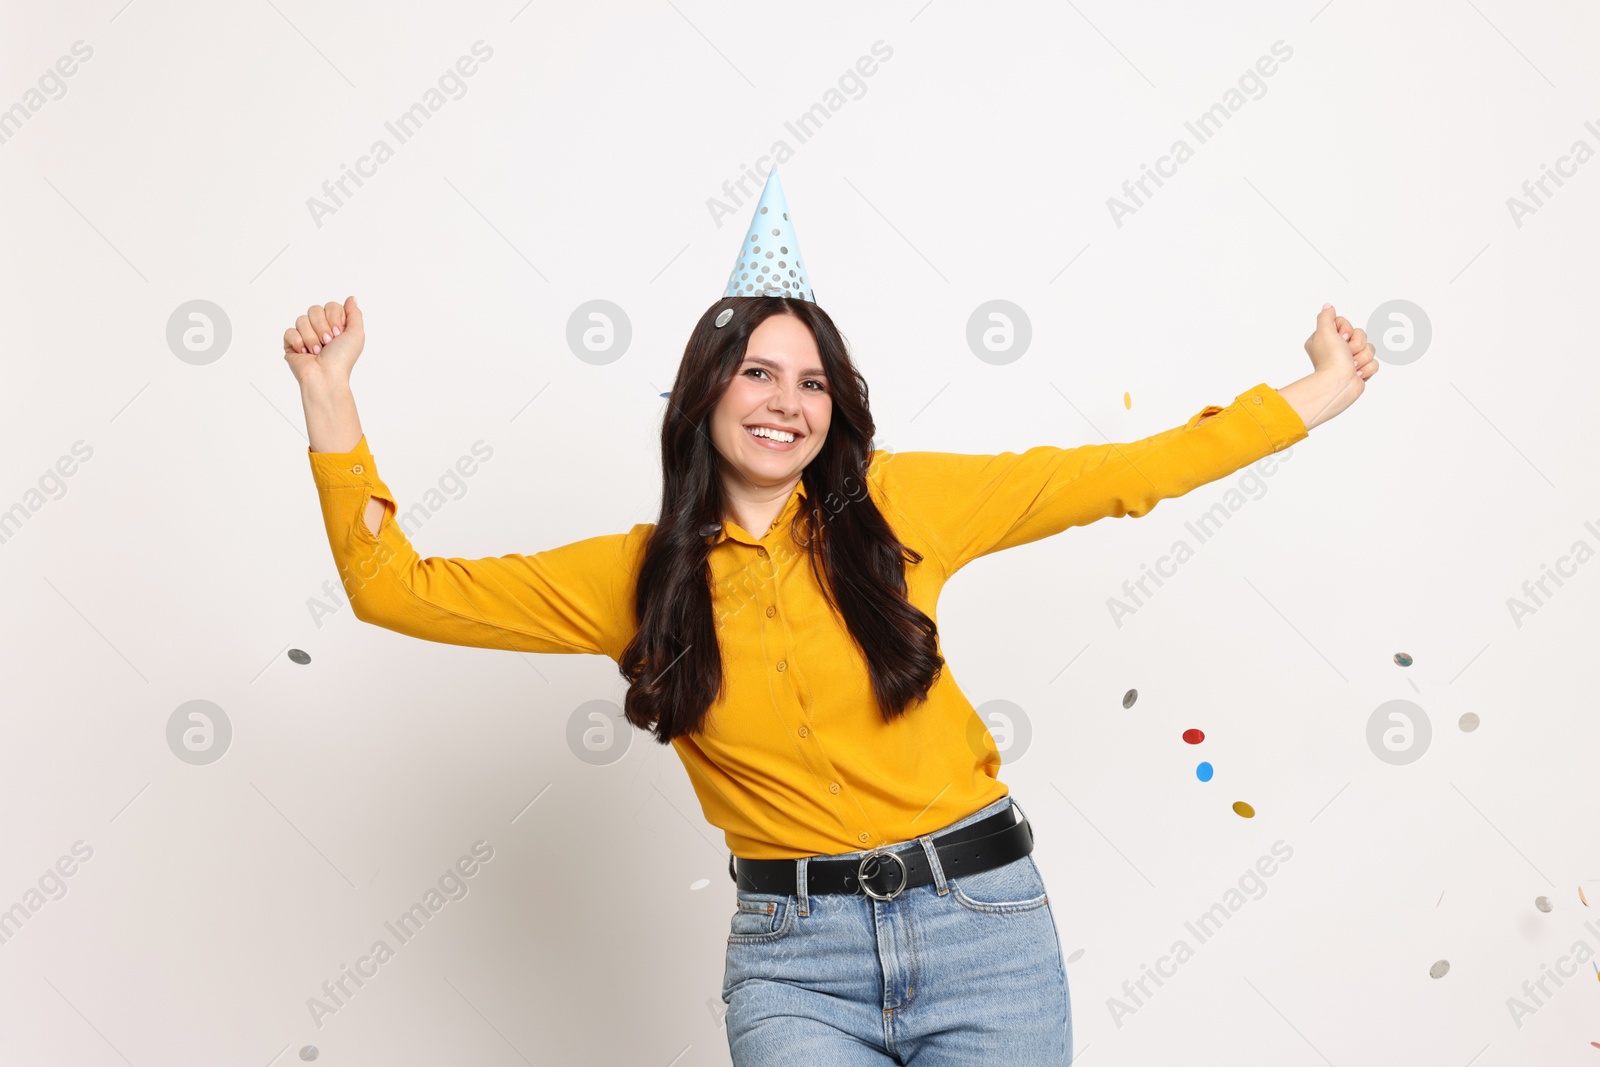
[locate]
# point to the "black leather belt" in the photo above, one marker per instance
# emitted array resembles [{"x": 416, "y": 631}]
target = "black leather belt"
[{"x": 883, "y": 874}]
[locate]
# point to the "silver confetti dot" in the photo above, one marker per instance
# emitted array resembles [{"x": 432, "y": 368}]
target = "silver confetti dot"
[
  {"x": 1075, "y": 957},
  {"x": 1542, "y": 903},
  {"x": 1469, "y": 722},
  {"x": 299, "y": 656},
  {"x": 309, "y": 1052},
  {"x": 1440, "y": 969},
  {"x": 724, "y": 317},
  {"x": 710, "y": 529},
  {"x": 1402, "y": 658},
  {"x": 1129, "y": 697}
]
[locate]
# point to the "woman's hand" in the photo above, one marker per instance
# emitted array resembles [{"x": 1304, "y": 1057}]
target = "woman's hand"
[
  {"x": 1342, "y": 360},
  {"x": 324, "y": 344},
  {"x": 322, "y": 367}
]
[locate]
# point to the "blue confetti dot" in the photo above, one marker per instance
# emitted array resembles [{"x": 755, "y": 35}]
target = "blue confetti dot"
[
  {"x": 666, "y": 394},
  {"x": 1203, "y": 772}
]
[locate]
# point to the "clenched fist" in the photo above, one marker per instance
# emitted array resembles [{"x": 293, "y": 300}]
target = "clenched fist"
[{"x": 324, "y": 343}]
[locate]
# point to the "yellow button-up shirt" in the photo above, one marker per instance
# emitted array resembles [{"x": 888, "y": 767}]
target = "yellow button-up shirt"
[{"x": 795, "y": 758}]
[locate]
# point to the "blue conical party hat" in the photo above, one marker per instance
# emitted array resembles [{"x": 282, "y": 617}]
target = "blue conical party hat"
[{"x": 769, "y": 257}]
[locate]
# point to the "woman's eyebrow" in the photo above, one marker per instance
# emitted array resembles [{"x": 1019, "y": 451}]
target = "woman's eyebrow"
[{"x": 814, "y": 372}]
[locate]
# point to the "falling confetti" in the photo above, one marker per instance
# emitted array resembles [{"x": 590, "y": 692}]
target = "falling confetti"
[
  {"x": 1075, "y": 957},
  {"x": 1402, "y": 658},
  {"x": 310, "y": 1051},
  {"x": 1203, "y": 772},
  {"x": 1193, "y": 737},
  {"x": 1469, "y": 722},
  {"x": 1440, "y": 969},
  {"x": 299, "y": 656},
  {"x": 1129, "y": 697},
  {"x": 1127, "y": 401},
  {"x": 1582, "y": 897},
  {"x": 666, "y": 394},
  {"x": 1244, "y": 810},
  {"x": 1542, "y": 903},
  {"x": 699, "y": 883}
]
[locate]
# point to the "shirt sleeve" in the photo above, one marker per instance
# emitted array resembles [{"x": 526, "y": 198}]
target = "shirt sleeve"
[
  {"x": 576, "y": 598},
  {"x": 966, "y": 506}
]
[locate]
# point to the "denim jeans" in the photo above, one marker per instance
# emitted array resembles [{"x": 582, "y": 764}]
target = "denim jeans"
[{"x": 962, "y": 971}]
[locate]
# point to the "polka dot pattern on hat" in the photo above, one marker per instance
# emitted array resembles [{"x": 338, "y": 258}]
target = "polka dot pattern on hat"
[{"x": 765, "y": 265}]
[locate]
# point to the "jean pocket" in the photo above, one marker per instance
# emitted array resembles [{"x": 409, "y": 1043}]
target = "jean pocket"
[
  {"x": 1010, "y": 887},
  {"x": 759, "y": 918}
]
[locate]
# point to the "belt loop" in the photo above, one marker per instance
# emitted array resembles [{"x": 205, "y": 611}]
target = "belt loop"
[
  {"x": 801, "y": 881},
  {"x": 933, "y": 862}
]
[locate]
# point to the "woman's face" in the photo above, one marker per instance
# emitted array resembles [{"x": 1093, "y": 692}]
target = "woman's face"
[{"x": 781, "y": 386}]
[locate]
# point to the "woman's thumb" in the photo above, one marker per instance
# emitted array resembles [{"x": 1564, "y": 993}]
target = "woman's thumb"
[
  {"x": 352, "y": 313},
  {"x": 1325, "y": 319}
]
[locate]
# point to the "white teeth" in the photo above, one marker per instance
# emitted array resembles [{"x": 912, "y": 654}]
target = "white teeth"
[{"x": 776, "y": 435}]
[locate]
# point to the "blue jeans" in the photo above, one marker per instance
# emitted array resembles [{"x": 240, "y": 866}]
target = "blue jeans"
[{"x": 961, "y": 971}]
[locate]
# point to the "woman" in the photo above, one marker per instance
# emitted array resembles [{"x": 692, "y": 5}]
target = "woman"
[{"x": 776, "y": 626}]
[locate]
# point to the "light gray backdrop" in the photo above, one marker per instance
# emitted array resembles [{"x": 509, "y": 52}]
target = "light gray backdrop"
[{"x": 162, "y": 542}]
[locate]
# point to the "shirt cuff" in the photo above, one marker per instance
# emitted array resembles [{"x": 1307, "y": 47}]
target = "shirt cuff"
[
  {"x": 1278, "y": 420},
  {"x": 355, "y": 469}
]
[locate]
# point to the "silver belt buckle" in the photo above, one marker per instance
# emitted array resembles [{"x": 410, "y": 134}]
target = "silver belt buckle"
[{"x": 861, "y": 877}]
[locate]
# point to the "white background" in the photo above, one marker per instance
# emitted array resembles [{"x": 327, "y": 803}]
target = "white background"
[{"x": 977, "y": 165}]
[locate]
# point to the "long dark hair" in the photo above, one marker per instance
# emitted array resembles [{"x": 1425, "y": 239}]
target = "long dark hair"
[{"x": 674, "y": 662}]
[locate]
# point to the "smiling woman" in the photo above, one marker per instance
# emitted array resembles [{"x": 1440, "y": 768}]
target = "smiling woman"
[
  {"x": 771, "y": 421},
  {"x": 776, "y": 626}
]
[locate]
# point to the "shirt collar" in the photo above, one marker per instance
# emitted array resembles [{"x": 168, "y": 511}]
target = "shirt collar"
[{"x": 738, "y": 533}]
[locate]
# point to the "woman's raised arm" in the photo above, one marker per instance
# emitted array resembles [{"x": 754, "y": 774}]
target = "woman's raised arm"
[{"x": 576, "y": 598}]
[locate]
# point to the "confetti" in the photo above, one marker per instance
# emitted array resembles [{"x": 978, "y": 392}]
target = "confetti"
[
  {"x": 1469, "y": 722},
  {"x": 1582, "y": 897},
  {"x": 299, "y": 656},
  {"x": 666, "y": 394},
  {"x": 1542, "y": 903},
  {"x": 1193, "y": 737},
  {"x": 1129, "y": 697},
  {"x": 1243, "y": 809},
  {"x": 1127, "y": 400},
  {"x": 310, "y": 1051},
  {"x": 1402, "y": 658},
  {"x": 1439, "y": 969},
  {"x": 1075, "y": 956},
  {"x": 1203, "y": 772}
]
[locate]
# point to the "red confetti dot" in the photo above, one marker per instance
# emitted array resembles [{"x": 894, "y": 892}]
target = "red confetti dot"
[{"x": 1194, "y": 737}]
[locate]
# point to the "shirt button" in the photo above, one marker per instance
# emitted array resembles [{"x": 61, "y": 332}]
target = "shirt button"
[
  {"x": 771, "y": 612},
  {"x": 1257, "y": 399},
  {"x": 863, "y": 836},
  {"x": 762, "y": 552},
  {"x": 804, "y": 732},
  {"x": 357, "y": 469},
  {"x": 833, "y": 787},
  {"x": 783, "y": 665}
]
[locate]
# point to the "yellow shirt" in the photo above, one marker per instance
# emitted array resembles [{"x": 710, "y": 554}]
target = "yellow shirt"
[{"x": 795, "y": 758}]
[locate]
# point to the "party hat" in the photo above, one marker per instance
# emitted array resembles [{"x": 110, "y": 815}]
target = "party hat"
[{"x": 769, "y": 258}]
